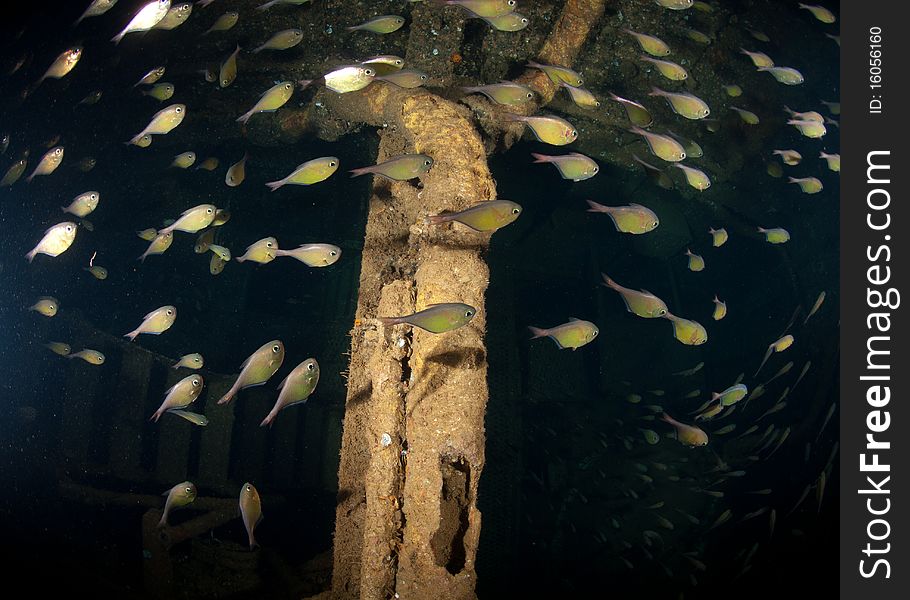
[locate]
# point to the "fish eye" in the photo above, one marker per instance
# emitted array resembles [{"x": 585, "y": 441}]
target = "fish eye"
[
  {"x": 268, "y": 244},
  {"x": 209, "y": 211},
  {"x": 333, "y": 253},
  {"x": 574, "y": 133},
  {"x": 331, "y": 163},
  {"x": 369, "y": 72},
  {"x": 661, "y": 312},
  {"x": 423, "y": 77},
  {"x": 682, "y": 155},
  {"x": 596, "y": 169},
  {"x": 224, "y": 82},
  {"x": 189, "y": 490},
  {"x": 511, "y": 2},
  {"x": 530, "y": 94},
  {"x": 178, "y": 110},
  {"x": 581, "y": 82},
  {"x": 310, "y": 367},
  {"x": 399, "y": 62},
  {"x": 196, "y": 382},
  {"x": 94, "y": 196},
  {"x": 469, "y": 313},
  {"x": 248, "y": 488},
  {"x": 276, "y": 348},
  {"x": 69, "y": 227},
  {"x": 169, "y": 312},
  {"x": 58, "y": 151},
  {"x": 287, "y": 86},
  {"x": 195, "y": 360}
]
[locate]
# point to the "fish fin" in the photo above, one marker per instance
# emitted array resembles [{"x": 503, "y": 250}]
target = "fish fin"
[
  {"x": 598, "y": 208},
  {"x": 542, "y": 158},
  {"x": 538, "y": 332},
  {"x": 131, "y": 335},
  {"x": 274, "y": 185},
  {"x": 438, "y": 219},
  {"x": 574, "y": 319},
  {"x": 361, "y": 171}
]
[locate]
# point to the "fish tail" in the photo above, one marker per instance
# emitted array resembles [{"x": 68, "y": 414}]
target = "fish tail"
[
  {"x": 131, "y": 335},
  {"x": 542, "y": 158},
  {"x": 437, "y": 219},
  {"x": 31, "y": 255},
  {"x": 163, "y": 522},
  {"x": 607, "y": 281},
  {"x": 360, "y": 171},
  {"x": 116, "y": 39},
  {"x": 513, "y": 117},
  {"x": 269, "y": 419},
  {"x": 534, "y": 64},
  {"x": 792, "y": 180},
  {"x": 656, "y": 91},
  {"x": 390, "y": 320},
  {"x": 274, "y": 185},
  {"x": 228, "y": 396},
  {"x": 538, "y": 332},
  {"x": 245, "y": 117},
  {"x": 595, "y": 207},
  {"x": 471, "y": 89},
  {"x": 154, "y": 418}
]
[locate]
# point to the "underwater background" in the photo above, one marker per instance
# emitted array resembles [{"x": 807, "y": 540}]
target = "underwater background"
[{"x": 578, "y": 499}]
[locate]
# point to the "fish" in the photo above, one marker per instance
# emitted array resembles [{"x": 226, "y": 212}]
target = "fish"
[
  {"x": 696, "y": 178},
  {"x": 436, "y": 318},
  {"x": 405, "y": 78},
  {"x": 809, "y": 185},
  {"x": 61, "y": 66},
  {"x": 180, "y": 395},
  {"x": 731, "y": 395},
  {"x": 83, "y": 204},
  {"x": 56, "y": 241},
  {"x": 633, "y": 218},
  {"x": 733, "y": 90},
  {"x": 650, "y": 44},
  {"x": 650, "y": 436},
  {"x": 833, "y": 160},
  {"x": 15, "y": 171},
  {"x": 720, "y": 309},
  {"x": 216, "y": 265},
  {"x": 59, "y": 348},
  {"x": 95, "y": 9},
  {"x": 789, "y": 157},
  {"x": 236, "y": 173},
  {"x": 718, "y": 236},
  {"x": 573, "y": 166},
  {"x": 250, "y": 511},
  {"x": 485, "y": 8},
  {"x": 659, "y": 176},
  {"x": 156, "y": 322},
  {"x": 272, "y": 3},
  {"x": 281, "y": 40},
  {"x": 271, "y": 100},
  {"x": 661, "y": 146},
  {"x": 723, "y": 518},
  {"x": 687, "y": 435},
  {"x": 184, "y": 160},
  {"x": 349, "y": 78},
  {"x": 48, "y": 163},
  {"x": 748, "y": 117},
  {"x": 637, "y": 114},
  {"x": 819, "y": 12},
  {"x": 785, "y": 75},
  {"x": 93, "y": 357},
  {"x": 159, "y": 245},
  {"x": 209, "y": 164},
  {"x": 382, "y": 24},
  {"x": 506, "y": 92},
  {"x": 194, "y": 418},
  {"x": 668, "y": 69},
  {"x": 160, "y": 91},
  {"x": 751, "y": 429},
  {"x": 725, "y": 430},
  {"x": 228, "y": 72},
  {"x": 143, "y": 142},
  {"x": 46, "y": 306},
  {"x": 774, "y": 169},
  {"x": 176, "y": 16},
  {"x": 696, "y": 262},
  {"x": 810, "y": 115},
  {"x": 163, "y": 121},
  {"x": 192, "y": 220},
  {"x": 147, "y": 17},
  {"x": 222, "y": 252},
  {"x": 675, "y": 4},
  {"x": 97, "y": 271},
  {"x": 296, "y": 388},
  {"x": 686, "y": 331},
  {"x": 204, "y": 241},
  {"x": 810, "y": 129},
  {"x": 308, "y": 173},
  {"x": 776, "y": 235},
  {"x": 398, "y": 168},
  {"x": 548, "y": 129},
  {"x": 257, "y": 369},
  {"x": 574, "y": 334},
  {"x": 818, "y": 304},
  {"x": 384, "y": 63},
  {"x": 759, "y": 59},
  {"x": 147, "y": 234},
  {"x": 222, "y": 216},
  {"x": 178, "y": 496},
  {"x": 86, "y": 164},
  {"x": 152, "y": 77},
  {"x": 483, "y": 217},
  {"x": 224, "y": 22},
  {"x": 836, "y": 38},
  {"x": 190, "y": 361},
  {"x": 684, "y": 104},
  {"x": 833, "y": 107},
  {"x": 697, "y": 36},
  {"x": 313, "y": 255},
  {"x": 512, "y": 21},
  {"x": 777, "y": 346},
  {"x": 580, "y": 96},
  {"x": 642, "y": 303},
  {"x": 783, "y": 371},
  {"x": 262, "y": 251}
]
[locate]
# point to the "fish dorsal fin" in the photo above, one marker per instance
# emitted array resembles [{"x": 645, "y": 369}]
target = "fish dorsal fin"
[
  {"x": 247, "y": 361},
  {"x": 637, "y": 205},
  {"x": 571, "y": 319},
  {"x": 165, "y": 493},
  {"x": 171, "y": 389},
  {"x": 283, "y": 382},
  {"x": 260, "y": 519},
  {"x": 644, "y": 291}
]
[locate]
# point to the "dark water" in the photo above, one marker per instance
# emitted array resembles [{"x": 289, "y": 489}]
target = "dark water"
[{"x": 569, "y": 477}]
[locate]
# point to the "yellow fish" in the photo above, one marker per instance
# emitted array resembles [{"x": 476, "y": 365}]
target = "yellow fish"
[
  {"x": 688, "y": 332},
  {"x": 661, "y": 146},
  {"x": 250, "y": 511},
  {"x": 558, "y": 74},
  {"x": 809, "y": 185},
  {"x": 143, "y": 142},
  {"x": 748, "y": 117},
  {"x": 810, "y": 129},
  {"x": 180, "y": 395},
  {"x": 634, "y": 218},
  {"x": 778, "y": 346},
  {"x": 282, "y": 40},
  {"x": 580, "y": 96},
  {"x": 15, "y": 171},
  {"x": 216, "y": 265},
  {"x": 777, "y": 235},
  {"x": 832, "y": 159},
  {"x": 271, "y": 100},
  {"x": 160, "y": 243},
  {"x": 222, "y": 216},
  {"x": 505, "y": 92},
  {"x": 209, "y": 164},
  {"x": 819, "y": 12},
  {"x": 176, "y": 16},
  {"x": 263, "y": 251},
  {"x": 650, "y": 44},
  {"x": 485, "y": 8},
  {"x": 718, "y": 236},
  {"x": 156, "y": 322},
  {"x": 147, "y": 234},
  {"x": 790, "y": 157},
  {"x": 48, "y": 163},
  {"x": 485, "y": 216},
  {"x": 98, "y": 272},
  {"x": 55, "y": 242},
  {"x": 224, "y": 22},
  {"x": 720, "y": 309},
  {"x": 548, "y": 129},
  {"x": 151, "y": 77},
  {"x": 785, "y": 75},
  {"x": 637, "y": 114},
  {"x": 257, "y": 369},
  {"x": 642, "y": 303},
  {"x": 574, "y": 334},
  {"x": 296, "y": 388},
  {"x": 205, "y": 239},
  {"x": 668, "y": 69},
  {"x": 83, "y": 204},
  {"x": 696, "y": 262},
  {"x": 96, "y": 8},
  {"x": 237, "y": 172},
  {"x": 178, "y": 496},
  {"x": 62, "y": 65},
  {"x": 147, "y": 17},
  {"x": 92, "y": 357},
  {"x": 46, "y": 306},
  {"x": 694, "y": 177},
  {"x": 308, "y": 173},
  {"x": 382, "y": 24},
  {"x": 313, "y": 255},
  {"x": 688, "y": 435},
  {"x": 733, "y": 90},
  {"x": 697, "y": 36},
  {"x": 228, "y": 71},
  {"x": 675, "y": 4},
  {"x": 192, "y": 220},
  {"x": 184, "y": 160},
  {"x": 190, "y": 361},
  {"x": 573, "y": 166},
  {"x": 160, "y": 91},
  {"x": 163, "y": 121},
  {"x": 684, "y": 104},
  {"x": 220, "y": 251},
  {"x": 349, "y": 78},
  {"x": 759, "y": 59},
  {"x": 508, "y": 22}
]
